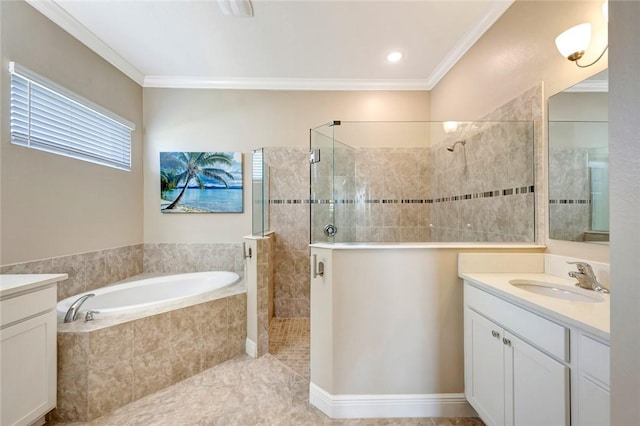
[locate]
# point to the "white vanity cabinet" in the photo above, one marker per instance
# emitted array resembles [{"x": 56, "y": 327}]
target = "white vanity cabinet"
[
  {"x": 508, "y": 380},
  {"x": 593, "y": 382},
  {"x": 28, "y": 349}
]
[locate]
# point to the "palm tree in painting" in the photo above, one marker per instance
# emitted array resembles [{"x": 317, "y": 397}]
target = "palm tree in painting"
[
  {"x": 168, "y": 181},
  {"x": 196, "y": 165}
]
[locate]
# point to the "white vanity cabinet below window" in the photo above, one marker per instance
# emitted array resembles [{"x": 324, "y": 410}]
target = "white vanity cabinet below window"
[
  {"x": 507, "y": 380},
  {"x": 27, "y": 347}
]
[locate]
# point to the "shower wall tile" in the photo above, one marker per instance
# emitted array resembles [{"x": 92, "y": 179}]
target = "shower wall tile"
[
  {"x": 289, "y": 169},
  {"x": 289, "y": 173},
  {"x": 87, "y": 271},
  {"x": 265, "y": 292},
  {"x": 568, "y": 174},
  {"x": 569, "y": 221},
  {"x": 498, "y": 155}
]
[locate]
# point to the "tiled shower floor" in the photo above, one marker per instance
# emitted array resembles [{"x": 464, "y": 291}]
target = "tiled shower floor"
[
  {"x": 272, "y": 390},
  {"x": 289, "y": 341}
]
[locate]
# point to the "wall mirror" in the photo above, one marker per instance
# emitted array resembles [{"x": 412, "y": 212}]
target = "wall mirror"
[{"x": 579, "y": 162}]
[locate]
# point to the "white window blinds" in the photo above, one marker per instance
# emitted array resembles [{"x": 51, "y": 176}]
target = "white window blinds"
[{"x": 50, "y": 118}]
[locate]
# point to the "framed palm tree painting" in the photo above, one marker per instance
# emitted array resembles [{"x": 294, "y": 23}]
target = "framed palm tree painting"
[{"x": 201, "y": 182}]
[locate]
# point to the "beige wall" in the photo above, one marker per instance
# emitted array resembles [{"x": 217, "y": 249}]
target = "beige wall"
[
  {"x": 517, "y": 53},
  {"x": 624, "y": 157},
  {"x": 52, "y": 205},
  {"x": 243, "y": 120}
]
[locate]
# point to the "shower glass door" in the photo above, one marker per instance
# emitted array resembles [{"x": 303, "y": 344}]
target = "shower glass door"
[{"x": 332, "y": 171}]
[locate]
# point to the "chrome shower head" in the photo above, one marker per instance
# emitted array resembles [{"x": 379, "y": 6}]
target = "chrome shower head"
[{"x": 452, "y": 147}]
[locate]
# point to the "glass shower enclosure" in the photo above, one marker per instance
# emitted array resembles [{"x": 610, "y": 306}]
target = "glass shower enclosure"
[
  {"x": 405, "y": 182},
  {"x": 332, "y": 172}
]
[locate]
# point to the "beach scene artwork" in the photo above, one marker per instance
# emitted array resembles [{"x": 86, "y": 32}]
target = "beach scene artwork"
[{"x": 201, "y": 182}]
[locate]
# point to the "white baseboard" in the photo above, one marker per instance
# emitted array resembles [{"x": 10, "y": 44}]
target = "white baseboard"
[
  {"x": 251, "y": 348},
  {"x": 390, "y": 406}
]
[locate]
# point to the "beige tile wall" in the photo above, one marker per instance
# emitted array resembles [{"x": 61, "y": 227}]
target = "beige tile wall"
[
  {"x": 392, "y": 186},
  {"x": 193, "y": 257},
  {"x": 569, "y": 181},
  {"x": 289, "y": 170},
  {"x": 264, "y": 292},
  {"x": 499, "y": 154},
  {"x": 87, "y": 271},
  {"x": 102, "y": 370}
]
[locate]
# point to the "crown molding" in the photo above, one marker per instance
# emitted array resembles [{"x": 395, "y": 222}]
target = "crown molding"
[
  {"x": 491, "y": 15},
  {"x": 63, "y": 19},
  {"x": 282, "y": 83},
  {"x": 590, "y": 86}
]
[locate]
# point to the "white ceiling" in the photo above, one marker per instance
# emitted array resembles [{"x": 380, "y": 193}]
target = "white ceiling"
[{"x": 302, "y": 44}]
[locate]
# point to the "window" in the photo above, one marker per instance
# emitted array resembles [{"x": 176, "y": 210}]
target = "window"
[{"x": 50, "y": 118}]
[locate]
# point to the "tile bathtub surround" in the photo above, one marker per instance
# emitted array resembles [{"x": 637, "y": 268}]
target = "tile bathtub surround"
[
  {"x": 87, "y": 271},
  {"x": 102, "y": 370},
  {"x": 244, "y": 391},
  {"x": 193, "y": 257}
]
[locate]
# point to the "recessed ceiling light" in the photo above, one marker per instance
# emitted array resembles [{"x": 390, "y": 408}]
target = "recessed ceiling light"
[{"x": 394, "y": 56}]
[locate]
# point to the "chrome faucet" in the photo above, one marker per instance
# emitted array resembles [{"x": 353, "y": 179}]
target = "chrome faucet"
[
  {"x": 586, "y": 278},
  {"x": 74, "y": 309}
]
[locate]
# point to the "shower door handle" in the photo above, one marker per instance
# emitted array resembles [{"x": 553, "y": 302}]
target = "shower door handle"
[{"x": 317, "y": 268}]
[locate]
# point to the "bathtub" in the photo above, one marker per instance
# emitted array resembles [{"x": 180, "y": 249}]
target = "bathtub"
[
  {"x": 150, "y": 332},
  {"x": 150, "y": 292}
]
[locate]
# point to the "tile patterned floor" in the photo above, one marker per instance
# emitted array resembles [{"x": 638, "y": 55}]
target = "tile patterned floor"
[
  {"x": 242, "y": 392},
  {"x": 289, "y": 340}
]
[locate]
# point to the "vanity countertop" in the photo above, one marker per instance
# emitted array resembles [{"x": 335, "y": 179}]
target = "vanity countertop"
[
  {"x": 593, "y": 318},
  {"x": 11, "y": 284}
]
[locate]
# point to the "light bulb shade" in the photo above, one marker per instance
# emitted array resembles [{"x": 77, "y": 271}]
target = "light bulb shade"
[
  {"x": 605, "y": 10},
  {"x": 450, "y": 126},
  {"x": 236, "y": 8},
  {"x": 573, "y": 42}
]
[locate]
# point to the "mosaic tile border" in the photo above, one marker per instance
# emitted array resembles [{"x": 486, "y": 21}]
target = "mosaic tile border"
[
  {"x": 472, "y": 196},
  {"x": 569, "y": 201}
]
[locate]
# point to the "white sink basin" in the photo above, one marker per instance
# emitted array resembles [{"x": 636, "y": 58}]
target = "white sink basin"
[{"x": 558, "y": 291}]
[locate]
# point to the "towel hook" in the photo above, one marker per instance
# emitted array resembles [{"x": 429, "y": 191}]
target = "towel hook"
[{"x": 244, "y": 251}]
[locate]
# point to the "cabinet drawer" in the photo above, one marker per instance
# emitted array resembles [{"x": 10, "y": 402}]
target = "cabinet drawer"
[
  {"x": 546, "y": 335},
  {"x": 26, "y": 305},
  {"x": 594, "y": 358}
]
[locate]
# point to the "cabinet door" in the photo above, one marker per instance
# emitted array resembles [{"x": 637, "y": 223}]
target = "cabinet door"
[
  {"x": 593, "y": 382},
  {"x": 593, "y": 403},
  {"x": 28, "y": 353},
  {"x": 484, "y": 368},
  {"x": 537, "y": 390}
]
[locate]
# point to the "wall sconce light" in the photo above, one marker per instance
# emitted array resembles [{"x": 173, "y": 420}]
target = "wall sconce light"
[
  {"x": 450, "y": 126},
  {"x": 573, "y": 42}
]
